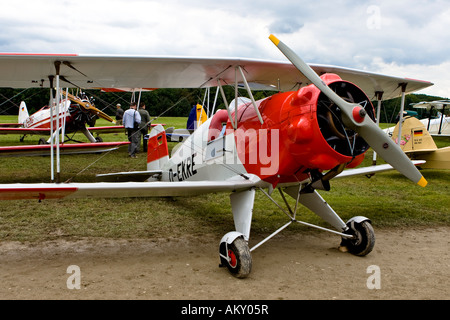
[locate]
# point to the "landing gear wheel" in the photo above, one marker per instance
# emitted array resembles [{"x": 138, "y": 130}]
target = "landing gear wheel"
[
  {"x": 42, "y": 141},
  {"x": 364, "y": 240},
  {"x": 238, "y": 258}
]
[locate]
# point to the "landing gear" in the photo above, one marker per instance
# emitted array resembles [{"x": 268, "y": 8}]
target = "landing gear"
[
  {"x": 235, "y": 255},
  {"x": 357, "y": 234},
  {"x": 363, "y": 239}
]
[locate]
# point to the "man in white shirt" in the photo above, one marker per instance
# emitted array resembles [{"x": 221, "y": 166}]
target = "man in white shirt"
[{"x": 131, "y": 121}]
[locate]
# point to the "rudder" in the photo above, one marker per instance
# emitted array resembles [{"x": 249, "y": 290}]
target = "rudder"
[
  {"x": 157, "y": 150},
  {"x": 23, "y": 113},
  {"x": 414, "y": 137}
]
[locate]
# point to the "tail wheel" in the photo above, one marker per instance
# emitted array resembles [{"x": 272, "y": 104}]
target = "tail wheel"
[
  {"x": 236, "y": 257},
  {"x": 364, "y": 238}
]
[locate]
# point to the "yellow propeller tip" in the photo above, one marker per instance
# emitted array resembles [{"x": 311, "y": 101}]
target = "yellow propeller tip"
[
  {"x": 274, "y": 39},
  {"x": 422, "y": 182}
]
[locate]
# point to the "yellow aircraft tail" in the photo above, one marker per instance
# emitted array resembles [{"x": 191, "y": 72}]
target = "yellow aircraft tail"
[
  {"x": 418, "y": 144},
  {"x": 201, "y": 114},
  {"x": 414, "y": 137}
]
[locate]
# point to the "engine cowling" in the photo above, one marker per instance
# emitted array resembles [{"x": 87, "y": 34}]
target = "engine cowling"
[
  {"x": 318, "y": 137},
  {"x": 312, "y": 134}
]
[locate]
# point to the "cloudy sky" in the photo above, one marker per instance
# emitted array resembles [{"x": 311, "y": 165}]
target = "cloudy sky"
[{"x": 407, "y": 38}]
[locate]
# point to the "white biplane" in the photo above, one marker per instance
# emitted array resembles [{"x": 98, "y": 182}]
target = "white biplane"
[
  {"x": 436, "y": 126},
  {"x": 70, "y": 114},
  {"x": 293, "y": 141}
]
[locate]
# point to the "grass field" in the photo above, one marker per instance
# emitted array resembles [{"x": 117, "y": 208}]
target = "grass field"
[{"x": 389, "y": 199}]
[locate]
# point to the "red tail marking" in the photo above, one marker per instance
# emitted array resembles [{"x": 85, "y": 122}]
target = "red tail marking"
[{"x": 157, "y": 147}]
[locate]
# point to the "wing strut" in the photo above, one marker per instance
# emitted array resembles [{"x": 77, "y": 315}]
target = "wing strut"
[
  {"x": 236, "y": 96},
  {"x": 58, "y": 166},
  {"x": 250, "y": 94},
  {"x": 442, "y": 119},
  {"x": 226, "y": 103},
  {"x": 379, "y": 95},
  {"x": 50, "y": 103},
  {"x": 402, "y": 108}
]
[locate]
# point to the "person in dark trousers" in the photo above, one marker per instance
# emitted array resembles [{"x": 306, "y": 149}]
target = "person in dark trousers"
[
  {"x": 131, "y": 121},
  {"x": 119, "y": 114},
  {"x": 143, "y": 127}
]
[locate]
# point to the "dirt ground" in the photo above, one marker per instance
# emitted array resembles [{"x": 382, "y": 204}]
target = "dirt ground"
[{"x": 413, "y": 264}]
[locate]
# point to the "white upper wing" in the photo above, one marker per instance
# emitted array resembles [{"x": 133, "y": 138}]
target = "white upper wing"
[
  {"x": 438, "y": 105},
  {"x": 108, "y": 71}
]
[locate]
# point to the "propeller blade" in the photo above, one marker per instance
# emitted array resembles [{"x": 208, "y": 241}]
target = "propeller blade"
[
  {"x": 100, "y": 114},
  {"x": 93, "y": 110},
  {"x": 354, "y": 116}
]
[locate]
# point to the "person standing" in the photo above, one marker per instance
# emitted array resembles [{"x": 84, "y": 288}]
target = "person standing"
[
  {"x": 131, "y": 121},
  {"x": 143, "y": 127},
  {"x": 119, "y": 114}
]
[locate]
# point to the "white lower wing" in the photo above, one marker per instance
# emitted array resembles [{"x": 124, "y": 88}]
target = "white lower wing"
[
  {"x": 371, "y": 169},
  {"x": 41, "y": 191}
]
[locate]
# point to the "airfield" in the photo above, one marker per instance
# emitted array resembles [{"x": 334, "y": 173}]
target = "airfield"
[
  {"x": 414, "y": 264},
  {"x": 167, "y": 248}
]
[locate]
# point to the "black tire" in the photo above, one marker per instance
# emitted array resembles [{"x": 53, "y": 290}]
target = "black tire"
[
  {"x": 365, "y": 238},
  {"x": 240, "y": 264}
]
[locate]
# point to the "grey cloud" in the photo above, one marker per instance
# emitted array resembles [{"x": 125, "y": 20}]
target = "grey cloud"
[{"x": 285, "y": 26}]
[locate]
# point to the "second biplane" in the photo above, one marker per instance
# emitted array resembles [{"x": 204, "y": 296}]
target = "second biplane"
[{"x": 69, "y": 116}]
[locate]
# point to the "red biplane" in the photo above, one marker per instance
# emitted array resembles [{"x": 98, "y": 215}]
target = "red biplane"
[{"x": 293, "y": 141}]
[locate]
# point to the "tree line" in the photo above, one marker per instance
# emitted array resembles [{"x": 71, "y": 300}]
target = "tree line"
[{"x": 170, "y": 102}]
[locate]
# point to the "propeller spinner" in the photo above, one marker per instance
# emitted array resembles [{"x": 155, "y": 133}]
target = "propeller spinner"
[{"x": 355, "y": 118}]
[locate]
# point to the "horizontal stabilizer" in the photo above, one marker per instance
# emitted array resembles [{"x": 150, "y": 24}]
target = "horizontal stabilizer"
[{"x": 439, "y": 159}]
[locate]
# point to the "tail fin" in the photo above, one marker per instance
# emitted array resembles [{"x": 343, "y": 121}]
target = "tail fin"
[
  {"x": 196, "y": 117},
  {"x": 201, "y": 114},
  {"x": 23, "y": 112},
  {"x": 158, "y": 152},
  {"x": 414, "y": 136},
  {"x": 419, "y": 145}
]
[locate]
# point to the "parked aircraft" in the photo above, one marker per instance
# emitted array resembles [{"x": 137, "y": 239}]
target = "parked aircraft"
[
  {"x": 439, "y": 125},
  {"x": 294, "y": 141},
  {"x": 417, "y": 143},
  {"x": 74, "y": 114}
]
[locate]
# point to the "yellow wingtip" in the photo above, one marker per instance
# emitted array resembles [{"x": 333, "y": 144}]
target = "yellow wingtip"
[
  {"x": 274, "y": 39},
  {"x": 422, "y": 182}
]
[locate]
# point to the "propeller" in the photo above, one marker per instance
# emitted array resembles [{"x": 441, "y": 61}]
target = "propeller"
[
  {"x": 354, "y": 117},
  {"x": 90, "y": 108}
]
